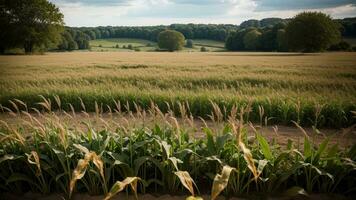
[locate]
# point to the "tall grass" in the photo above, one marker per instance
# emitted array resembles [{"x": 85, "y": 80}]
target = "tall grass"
[{"x": 50, "y": 157}]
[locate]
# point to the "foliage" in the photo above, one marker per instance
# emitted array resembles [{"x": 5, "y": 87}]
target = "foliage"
[
  {"x": 171, "y": 40},
  {"x": 189, "y": 44},
  {"x": 312, "y": 32},
  {"x": 203, "y": 49},
  {"x": 29, "y": 24},
  {"x": 341, "y": 46},
  {"x": 251, "y": 40},
  {"x": 59, "y": 159}
]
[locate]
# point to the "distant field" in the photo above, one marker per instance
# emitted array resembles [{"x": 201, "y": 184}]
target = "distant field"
[
  {"x": 288, "y": 86},
  {"x": 146, "y": 45},
  {"x": 110, "y": 44}
]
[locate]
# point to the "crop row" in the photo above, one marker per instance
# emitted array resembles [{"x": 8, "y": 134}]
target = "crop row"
[{"x": 49, "y": 157}]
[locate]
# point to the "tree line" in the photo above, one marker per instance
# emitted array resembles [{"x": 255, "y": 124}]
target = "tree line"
[{"x": 38, "y": 25}]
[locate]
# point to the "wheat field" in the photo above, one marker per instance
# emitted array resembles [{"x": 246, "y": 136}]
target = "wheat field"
[{"x": 311, "y": 89}]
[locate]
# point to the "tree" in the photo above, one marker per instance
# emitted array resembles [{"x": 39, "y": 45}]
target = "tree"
[
  {"x": 252, "y": 40},
  {"x": 67, "y": 42},
  {"x": 312, "y": 32},
  {"x": 171, "y": 40},
  {"x": 235, "y": 41},
  {"x": 281, "y": 40},
  {"x": 250, "y": 23},
  {"x": 189, "y": 44},
  {"x": 29, "y": 24}
]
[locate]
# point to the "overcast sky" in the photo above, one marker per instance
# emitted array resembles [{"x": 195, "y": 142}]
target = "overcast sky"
[{"x": 157, "y": 12}]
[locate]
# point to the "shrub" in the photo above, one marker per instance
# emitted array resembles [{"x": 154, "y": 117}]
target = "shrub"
[
  {"x": 341, "y": 46},
  {"x": 171, "y": 40},
  {"x": 203, "y": 49},
  {"x": 189, "y": 44}
]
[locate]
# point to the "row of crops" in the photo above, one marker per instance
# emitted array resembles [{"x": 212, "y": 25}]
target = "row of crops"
[{"x": 51, "y": 157}]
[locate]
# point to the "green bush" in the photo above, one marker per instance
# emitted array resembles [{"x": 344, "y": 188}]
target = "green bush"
[{"x": 171, "y": 40}]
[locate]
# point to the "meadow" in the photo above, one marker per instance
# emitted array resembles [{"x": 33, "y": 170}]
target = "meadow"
[
  {"x": 121, "y": 44},
  {"x": 311, "y": 89}
]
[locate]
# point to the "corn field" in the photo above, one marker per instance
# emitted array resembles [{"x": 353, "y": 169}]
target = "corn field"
[
  {"x": 311, "y": 89},
  {"x": 51, "y": 157}
]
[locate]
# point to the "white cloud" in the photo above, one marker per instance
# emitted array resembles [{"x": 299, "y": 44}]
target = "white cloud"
[{"x": 157, "y": 12}]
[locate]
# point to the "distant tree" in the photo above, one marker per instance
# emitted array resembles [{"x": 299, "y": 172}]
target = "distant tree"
[
  {"x": 171, "y": 40},
  {"x": 117, "y": 46},
  {"x": 312, "y": 32},
  {"x": 341, "y": 46},
  {"x": 252, "y": 40},
  {"x": 130, "y": 46},
  {"x": 235, "y": 41},
  {"x": 271, "y": 22},
  {"x": 67, "y": 42},
  {"x": 29, "y": 23},
  {"x": 189, "y": 44},
  {"x": 91, "y": 34},
  {"x": 72, "y": 45},
  {"x": 250, "y": 23},
  {"x": 281, "y": 40},
  {"x": 203, "y": 49}
]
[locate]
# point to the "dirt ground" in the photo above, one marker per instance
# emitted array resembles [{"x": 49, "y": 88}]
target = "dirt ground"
[{"x": 280, "y": 134}]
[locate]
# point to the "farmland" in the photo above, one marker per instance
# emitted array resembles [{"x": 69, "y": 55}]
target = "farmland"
[
  {"x": 286, "y": 86},
  {"x": 161, "y": 123},
  {"x": 121, "y": 44}
]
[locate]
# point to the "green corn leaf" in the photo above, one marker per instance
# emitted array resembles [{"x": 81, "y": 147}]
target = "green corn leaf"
[
  {"x": 21, "y": 177},
  {"x": 307, "y": 148},
  {"x": 265, "y": 147},
  {"x": 141, "y": 160},
  {"x": 210, "y": 141},
  {"x": 322, "y": 147}
]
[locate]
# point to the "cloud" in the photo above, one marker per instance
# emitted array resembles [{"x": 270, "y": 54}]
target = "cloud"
[
  {"x": 264, "y": 5},
  {"x": 157, "y": 12}
]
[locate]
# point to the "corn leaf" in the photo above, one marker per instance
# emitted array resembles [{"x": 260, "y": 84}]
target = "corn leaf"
[
  {"x": 186, "y": 180},
  {"x": 120, "y": 185},
  {"x": 221, "y": 181}
]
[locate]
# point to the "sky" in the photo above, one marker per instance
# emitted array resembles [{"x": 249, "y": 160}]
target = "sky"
[{"x": 164, "y": 12}]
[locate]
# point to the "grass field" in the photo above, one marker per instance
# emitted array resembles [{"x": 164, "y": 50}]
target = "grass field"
[
  {"x": 312, "y": 89},
  {"x": 146, "y": 45}
]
